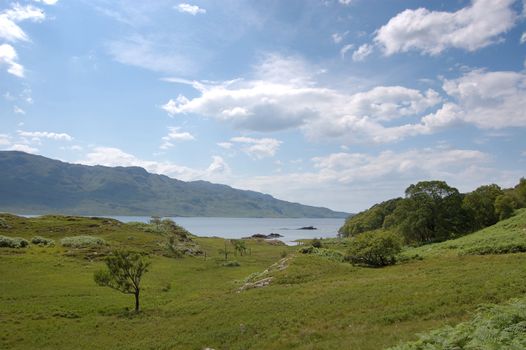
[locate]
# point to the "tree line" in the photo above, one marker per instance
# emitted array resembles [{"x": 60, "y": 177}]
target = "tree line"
[{"x": 433, "y": 211}]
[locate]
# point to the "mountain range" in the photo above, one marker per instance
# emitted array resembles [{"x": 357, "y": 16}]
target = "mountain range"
[{"x": 33, "y": 184}]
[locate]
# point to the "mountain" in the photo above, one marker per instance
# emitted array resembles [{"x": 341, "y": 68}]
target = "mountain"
[{"x": 31, "y": 184}]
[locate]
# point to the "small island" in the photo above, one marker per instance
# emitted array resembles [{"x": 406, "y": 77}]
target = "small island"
[{"x": 307, "y": 228}]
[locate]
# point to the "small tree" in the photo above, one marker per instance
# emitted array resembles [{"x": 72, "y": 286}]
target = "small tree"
[
  {"x": 375, "y": 248},
  {"x": 156, "y": 220},
  {"x": 225, "y": 252},
  {"x": 124, "y": 273},
  {"x": 239, "y": 246}
]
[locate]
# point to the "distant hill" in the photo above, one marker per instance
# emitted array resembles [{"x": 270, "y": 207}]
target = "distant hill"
[{"x": 31, "y": 184}]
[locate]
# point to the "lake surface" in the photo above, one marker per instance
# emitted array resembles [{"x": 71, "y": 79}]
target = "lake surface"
[{"x": 243, "y": 227}]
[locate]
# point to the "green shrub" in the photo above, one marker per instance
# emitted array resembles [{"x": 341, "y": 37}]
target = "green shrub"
[
  {"x": 497, "y": 249},
  {"x": 82, "y": 241},
  {"x": 494, "y": 327},
  {"x": 323, "y": 252},
  {"x": 316, "y": 243},
  {"x": 375, "y": 248},
  {"x": 13, "y": 242},
  {"x": 232, "y": 263},
  {"x": 3, "y": 224},
  {"x": 42, "y": 241}
]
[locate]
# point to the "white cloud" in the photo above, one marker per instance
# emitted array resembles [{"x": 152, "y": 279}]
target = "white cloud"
[
  {"x": 5, "y": 140},
  {"x": 523, "y": 38},
  {"x": 345, "y": 2},
  {"x": 156, "y": 56},
  {"x": 225, "y": 145},
  {"x": 191, "y": 9},
  {"x": 9, "y": 29},
  {"x": 381, "y": 114},
  {"x": 371, "y": 178},
  {"x": 11, "y": 32},
  {"x": 9, "y": 57},
  {"x": 362, "y": 52},
  {"x": 23, "y": 148},
  {"x": 345, "y": 49},
  {"x": 48, "y": 2},
  {"x": 18, "y": 110},
  {"x": 489, "y": 100},
  {"x": 258, "y": 148},
  {"x": 218, "y": 169},
  {"x": 36, "y": 135},
  {"x": 431, "y": 32},
  {"x": 338, "y": 37},
  {"x": 175, "y": 134}
]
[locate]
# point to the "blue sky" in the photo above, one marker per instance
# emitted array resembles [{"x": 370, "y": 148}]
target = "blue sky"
[{"x": 332, "y": 103}]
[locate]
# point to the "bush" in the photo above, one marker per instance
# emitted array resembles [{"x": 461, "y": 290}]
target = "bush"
[
  {"x": 13, "y": 242},
  {"x": 82, "y": 241},
  {"x": 42, "y": 241},
  {"x": 3, "y": 224},
  {"x": 316, "y": 243},
  {"x": 323, "y": 252},
  {"x": 494, "y": 327},
  {"x": 375, "y": 248},
  {"x": 232, "y": 263}
]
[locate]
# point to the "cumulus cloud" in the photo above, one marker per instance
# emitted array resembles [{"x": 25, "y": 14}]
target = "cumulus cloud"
[
  {"x": 9, "y": 29},
  {"x": 476, "y": 26},
  {"x": 9, "y": 57},
  {"x": 190, "y": 9},
  {"x": 257, "y": 148},
  {"x": 175, "y": 134},
  {"x": 362, "y": 52},
  {"x": 12, "y": 32},
  {"x": 489, "y": 100},
  {"x": 110, "y": 156},
  {"x": 37, "y": 135},
  {"x": 381, "y": 114}
]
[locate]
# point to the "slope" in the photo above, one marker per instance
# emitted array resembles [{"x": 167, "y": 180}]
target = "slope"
[{"x": 31, "y": 184}]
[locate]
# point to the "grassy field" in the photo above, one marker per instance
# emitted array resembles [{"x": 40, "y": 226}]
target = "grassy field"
[{"x": 48, "y": 299}]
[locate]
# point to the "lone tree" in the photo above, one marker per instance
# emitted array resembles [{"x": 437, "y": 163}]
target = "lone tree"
[{"x": 124, "y": 272}]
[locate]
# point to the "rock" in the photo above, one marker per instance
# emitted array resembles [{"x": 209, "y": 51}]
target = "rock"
[{"x": 308, "y": 228}]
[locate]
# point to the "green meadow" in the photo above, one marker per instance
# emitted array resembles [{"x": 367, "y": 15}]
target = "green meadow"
[{"x": 49, "y": 300}]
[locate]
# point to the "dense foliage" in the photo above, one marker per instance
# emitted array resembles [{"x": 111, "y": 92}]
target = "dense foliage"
[
  {"x": 369, "y": 220},
  {"x": 433, "y": 211},
  {"x": 375, "y": 248}
]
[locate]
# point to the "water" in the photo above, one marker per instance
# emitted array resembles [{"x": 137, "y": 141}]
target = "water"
[{"x": 244, "y": 227}]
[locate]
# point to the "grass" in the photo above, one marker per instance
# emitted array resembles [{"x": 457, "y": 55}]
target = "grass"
[{"x": 48, "y": 298}]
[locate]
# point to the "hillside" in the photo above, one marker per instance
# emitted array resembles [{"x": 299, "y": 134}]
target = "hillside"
[
  {"x": 50, "y": 300},
  {"x": 31, "y": 184}
]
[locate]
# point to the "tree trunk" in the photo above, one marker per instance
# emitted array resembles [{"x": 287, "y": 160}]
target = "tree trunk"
[{"x": 136, "y": 301}]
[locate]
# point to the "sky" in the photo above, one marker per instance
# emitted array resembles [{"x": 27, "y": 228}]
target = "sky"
[{"x": 334, "y": 103}]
